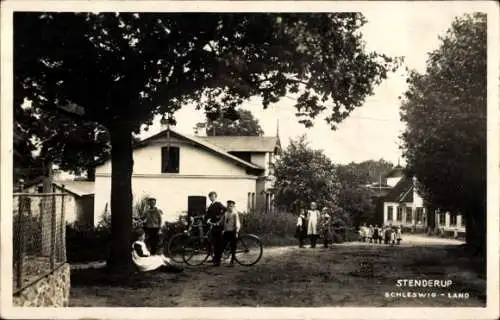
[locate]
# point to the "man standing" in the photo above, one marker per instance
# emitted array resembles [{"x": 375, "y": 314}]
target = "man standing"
[
  {"x": 215, "y": 214},
  {"x": 152, "y": 225}
]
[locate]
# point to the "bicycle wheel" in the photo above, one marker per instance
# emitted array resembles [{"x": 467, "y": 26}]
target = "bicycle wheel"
[
  {"x": 175, "y": 247},
  {"x": 248, "y": 249},
  {"x": 195, "y": 252}
]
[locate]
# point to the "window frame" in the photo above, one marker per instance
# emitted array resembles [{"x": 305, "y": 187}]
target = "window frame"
[
  {"x": 167, "y": 169},
  {"x": 399, "y": 213},
  {"x": 409, "y": 214},
  {"x": 390, "y": 213}
]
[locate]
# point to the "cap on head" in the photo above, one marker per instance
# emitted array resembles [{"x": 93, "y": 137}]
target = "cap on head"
[{"x": 230, "y": 202}]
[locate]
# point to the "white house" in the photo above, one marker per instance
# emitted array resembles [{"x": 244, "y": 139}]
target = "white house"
[
  {"x": 404, "y": 206},
  {"x": 171, "y": 167},
  {"x": 78, "y": 199}
]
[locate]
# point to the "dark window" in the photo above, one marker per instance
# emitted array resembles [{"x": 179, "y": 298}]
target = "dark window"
[
  {"x": 453, "y": 219},
  {"x": 420, "y": 214},
  {"x": 170, "y": 160},
  {"x": 245, "y": 156},
  {"x": 442, "y": 219},
  {"x": 409, "y": 214},
  {"x": 399, "y": 215},
  {"x": 390, "y": 213},
  {"x": 40, "y": 189},
  {"x": 462, "y": 221}
]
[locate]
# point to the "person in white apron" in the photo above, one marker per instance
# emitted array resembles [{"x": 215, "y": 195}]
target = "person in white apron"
[
  {"x": 143, "y": 259},
  {"x": 312, "y": 224}
]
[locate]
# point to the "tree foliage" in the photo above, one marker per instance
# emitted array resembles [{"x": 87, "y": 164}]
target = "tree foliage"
[
  {"x": 365, "y": 172},
  {"x": 245, "y": 124},
  {"x": 445, "y": 112},
  {"x": 304, "y": 175},
  {"x": 119, "y": 70},
  {"x": 354, "y": 198}
]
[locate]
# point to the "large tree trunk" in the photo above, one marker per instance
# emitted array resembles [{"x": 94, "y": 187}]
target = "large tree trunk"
[{"x": 121, "y": 196}]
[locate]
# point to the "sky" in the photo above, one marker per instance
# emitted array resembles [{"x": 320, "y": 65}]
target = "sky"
[{"x": 371, "y": 131}]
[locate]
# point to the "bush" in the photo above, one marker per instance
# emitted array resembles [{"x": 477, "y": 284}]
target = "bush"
[
  {"x": 276, "y": 228},
  {"x": 86, "y": 244},
  {"x": 138, "y": 212}
]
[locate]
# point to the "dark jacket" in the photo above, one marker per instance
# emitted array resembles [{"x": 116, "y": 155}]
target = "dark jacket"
[{"x": 215, "y": 212}]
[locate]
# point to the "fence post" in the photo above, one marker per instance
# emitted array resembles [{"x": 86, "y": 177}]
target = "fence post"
[
  {"x": 20, "y": 234},
  {"x": 63, "y": 227},
  {"x": 53, "y": 226}
]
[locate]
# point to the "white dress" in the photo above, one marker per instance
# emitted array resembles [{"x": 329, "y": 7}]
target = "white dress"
[
  {"x": 312, "y": 222},
  {"x": 149, "y": 262}
]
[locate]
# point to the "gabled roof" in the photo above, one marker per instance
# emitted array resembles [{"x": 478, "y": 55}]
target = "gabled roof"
[
  {"x": 79, "y": 188},
  {"x": 202, "y": 143},
  {"x": 402, "y": 191},
  {"x": 245, "y": 143}
]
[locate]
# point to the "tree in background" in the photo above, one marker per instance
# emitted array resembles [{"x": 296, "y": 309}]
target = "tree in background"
[
  {"x": 244, "y": 125},
  {"x": 445, "y": 137},
  {"x": 304, "y": 175},
  {"x": 371, "y": 170},
  {"x": 119, "y": 70},
  {"x": 353, "y": 197}
]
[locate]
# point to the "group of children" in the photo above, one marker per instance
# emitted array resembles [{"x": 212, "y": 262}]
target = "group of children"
[
  {"x": 314, "y": 224},
  {"x": 225, "y": 223},
  {"x": 375, "y": 234}
]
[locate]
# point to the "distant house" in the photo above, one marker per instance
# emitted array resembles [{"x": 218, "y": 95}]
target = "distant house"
[
  {"x": 78, "y": 201},
  {"x": 172, "y": 167},
  {"x": 404, "y": 206}
]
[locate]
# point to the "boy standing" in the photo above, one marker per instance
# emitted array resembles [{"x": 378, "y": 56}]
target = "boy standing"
[
  {"x": 232, "y": 226},
  {"x": 152, "y": 225}
]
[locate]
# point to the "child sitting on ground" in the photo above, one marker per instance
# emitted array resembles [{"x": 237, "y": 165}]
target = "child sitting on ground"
[{"x": 143, "y": 259}]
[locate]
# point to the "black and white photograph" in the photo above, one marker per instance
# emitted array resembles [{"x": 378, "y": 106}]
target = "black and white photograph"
[{"x": 250, "y": 156}]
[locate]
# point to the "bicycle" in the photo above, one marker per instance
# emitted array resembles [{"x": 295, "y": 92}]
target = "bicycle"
[
  {"x": 174, "y": 247},
  {"x": 199, "y": 248}
]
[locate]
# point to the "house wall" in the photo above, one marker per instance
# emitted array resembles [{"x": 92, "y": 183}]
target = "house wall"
[
  {"x": 261, "y": 159},
  {"x": 193, "y": 161},
  {"x": 69, "y": 203},
  {"x": 171, "y": 192},
  {"x": 393, "y": 181},
  {"x": 447, "y": 225},
  {"x": 403, "y": 221}
]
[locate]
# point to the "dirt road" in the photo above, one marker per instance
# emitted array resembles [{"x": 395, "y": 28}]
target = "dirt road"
[{"x": 345, "y": 275}]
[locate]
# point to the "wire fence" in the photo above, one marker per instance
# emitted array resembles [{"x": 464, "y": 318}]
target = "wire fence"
[{"x": 39, "y": 240}]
